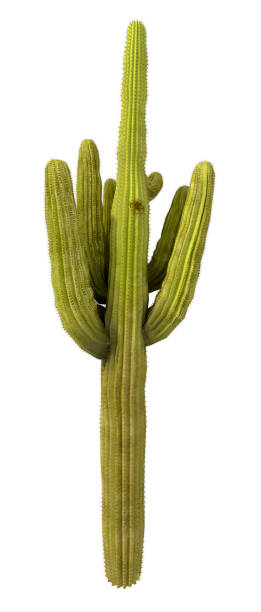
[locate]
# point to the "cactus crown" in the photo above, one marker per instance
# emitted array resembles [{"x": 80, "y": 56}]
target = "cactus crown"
[{"x": 101, "y": 280}]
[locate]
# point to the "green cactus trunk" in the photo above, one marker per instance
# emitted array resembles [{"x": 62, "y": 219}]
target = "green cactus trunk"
[{"x": 123, "y": 420}]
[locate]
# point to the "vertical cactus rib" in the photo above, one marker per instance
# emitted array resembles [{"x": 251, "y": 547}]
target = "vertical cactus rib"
[
  {"x": 90, "y": 215},
  {"x": 158, "y": 264},
  {"x": 108, "y": 195},
  {"x": 73, "y": 294},
  {"x": 178, "y": 287},
  {"x": 154, "y": 185}
]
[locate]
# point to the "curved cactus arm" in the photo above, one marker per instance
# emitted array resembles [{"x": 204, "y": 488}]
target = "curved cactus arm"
[
  {"x": 158, "y": 264},
  {"x": 154, "y": 184},
  {"x": 178, "y": 287},
  {"x": 90, "y": 215},
  {"x": 108, "y": 195},
  {"x": 70, "y": 275}
]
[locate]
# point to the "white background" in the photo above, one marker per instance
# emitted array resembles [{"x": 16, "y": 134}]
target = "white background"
[{"x": 61, "y": 79}]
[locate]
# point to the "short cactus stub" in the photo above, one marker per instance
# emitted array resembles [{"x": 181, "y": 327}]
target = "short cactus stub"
[{"x": 101, "y": 280}]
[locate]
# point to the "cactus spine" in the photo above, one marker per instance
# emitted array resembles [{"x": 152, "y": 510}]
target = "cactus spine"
[{"x": 101, "y": 281}]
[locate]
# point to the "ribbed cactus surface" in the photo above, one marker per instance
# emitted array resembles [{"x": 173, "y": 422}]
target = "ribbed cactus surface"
[{"x": 101, "y": 279}]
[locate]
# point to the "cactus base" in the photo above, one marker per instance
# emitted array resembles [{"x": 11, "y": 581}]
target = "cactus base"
[{"x": 123, "y": 428}]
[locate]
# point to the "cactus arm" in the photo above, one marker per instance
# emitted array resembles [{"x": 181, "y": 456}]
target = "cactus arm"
[
  {"x": 90, "y": 215},
  {"x": 158, "y": 264},
  {"x": 108, "y": 195},
  {"x": 154, "y": 184},
  {"x": 70, "y": 276},
  {"x": 178, "y": 287}
]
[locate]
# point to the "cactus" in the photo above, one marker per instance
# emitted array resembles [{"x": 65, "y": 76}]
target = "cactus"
[{"x": 101, "y": 282}]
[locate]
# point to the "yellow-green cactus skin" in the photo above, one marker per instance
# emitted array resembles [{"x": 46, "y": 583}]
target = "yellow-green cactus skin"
[{"x": 101, "y": 279}]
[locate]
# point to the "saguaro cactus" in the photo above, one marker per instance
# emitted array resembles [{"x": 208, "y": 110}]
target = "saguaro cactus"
[{"x": 101, "y": 281}]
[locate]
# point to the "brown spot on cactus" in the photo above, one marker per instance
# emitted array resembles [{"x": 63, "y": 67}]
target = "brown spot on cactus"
[{"x": 136, "y": 206}]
